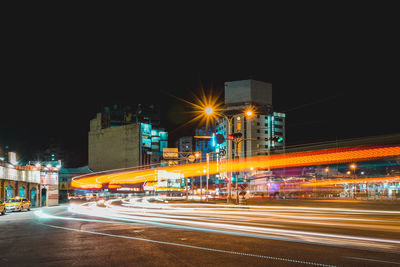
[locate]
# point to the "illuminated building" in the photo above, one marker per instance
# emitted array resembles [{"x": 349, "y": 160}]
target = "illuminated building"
[
  {"x": 259, "y": 131},
  {"x": 39, "y": 183},
  {"x": 122, "y": 143}
]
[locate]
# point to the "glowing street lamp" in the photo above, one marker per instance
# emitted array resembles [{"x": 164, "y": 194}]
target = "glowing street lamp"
[
  {"x": 209, "y": 110},
  {"x": 249, "y": 112},
  {"x": 353, "y": 167}
]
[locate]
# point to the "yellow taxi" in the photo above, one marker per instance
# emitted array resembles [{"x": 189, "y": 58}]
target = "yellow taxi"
[
  {"x": 17, "y": 204},
  {"x": 2, "y": 208}
]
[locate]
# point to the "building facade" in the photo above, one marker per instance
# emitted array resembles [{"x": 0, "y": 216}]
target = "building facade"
[
  {"x": 261, "y": 134},
  {"x": 124, "y": 146},
  {"x": 39, "y": 184}
]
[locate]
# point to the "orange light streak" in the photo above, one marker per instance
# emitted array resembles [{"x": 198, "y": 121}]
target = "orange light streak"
[
  {"x": 309, "y": 158},
  {"x": 354, "y": 181}
]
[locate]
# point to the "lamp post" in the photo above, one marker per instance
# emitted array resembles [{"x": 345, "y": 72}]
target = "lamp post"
[
  {"x": 353, "y": 167},
  {"x": 248, "y": 113}
]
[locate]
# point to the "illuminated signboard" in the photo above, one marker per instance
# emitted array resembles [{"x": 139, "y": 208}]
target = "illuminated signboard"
[
  {"x": 171, "y": 152},
  {"x": 164, "y": 136},
  {"x": 145, "y": 130}
]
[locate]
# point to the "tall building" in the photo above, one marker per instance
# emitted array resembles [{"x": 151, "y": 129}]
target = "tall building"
[
  {"x": 261, "y": 134},
  {"x": 115, "y": 144}
]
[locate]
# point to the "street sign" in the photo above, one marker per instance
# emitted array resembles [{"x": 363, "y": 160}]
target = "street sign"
[
  {"x": 169, "y": 153},
  {"x": 222, "y": 152}
]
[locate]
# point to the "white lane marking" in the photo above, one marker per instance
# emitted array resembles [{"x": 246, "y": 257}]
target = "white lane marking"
[
  {"x": 293, "y": 238},
  {"x": 225, "y": 226},
  {"x": 365, "y": 259},
  {"x": 190, "y": 246}
]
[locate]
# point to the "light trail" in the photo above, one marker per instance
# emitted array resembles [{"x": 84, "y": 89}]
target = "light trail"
[
  {"x": 264, "y": 223},
  {"x": 321, "y": 157},
  {"x": 353, "y": 181}
]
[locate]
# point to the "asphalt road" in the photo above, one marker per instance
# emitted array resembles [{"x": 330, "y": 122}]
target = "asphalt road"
[{"x": 140, "y": 232}]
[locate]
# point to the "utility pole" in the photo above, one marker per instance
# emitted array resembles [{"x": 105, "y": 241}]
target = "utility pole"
[{"x": 201, "y": 180}]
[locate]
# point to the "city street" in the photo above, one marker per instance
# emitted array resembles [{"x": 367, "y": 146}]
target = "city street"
[
  {"x": 273, "y": 142},
  {"x": 154, "y": 232}
]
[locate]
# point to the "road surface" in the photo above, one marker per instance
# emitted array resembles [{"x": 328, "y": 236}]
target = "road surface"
[{"x": 148, "y": 232}]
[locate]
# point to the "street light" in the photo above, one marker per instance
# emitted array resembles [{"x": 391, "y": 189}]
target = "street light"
[
  {"x": 209, "y": 110},
  {"x": 249, "y": 112},
  {"x": 353, "y": 167}
]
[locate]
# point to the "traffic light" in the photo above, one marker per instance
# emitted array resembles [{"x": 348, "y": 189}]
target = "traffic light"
[
  {"x": 220, "y": 138},
  {"x": 278, "y": 139},
  {"x": 237, "y": 135}
]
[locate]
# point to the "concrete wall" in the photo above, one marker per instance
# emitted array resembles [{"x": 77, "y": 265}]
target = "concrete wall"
[{"x": 113, "y": 148}]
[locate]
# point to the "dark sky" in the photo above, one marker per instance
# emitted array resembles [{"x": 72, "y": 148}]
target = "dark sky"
[{"x": 336, "y": 81}]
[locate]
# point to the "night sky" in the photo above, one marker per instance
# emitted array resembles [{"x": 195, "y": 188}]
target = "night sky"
[{"x": 331, "y": 84}]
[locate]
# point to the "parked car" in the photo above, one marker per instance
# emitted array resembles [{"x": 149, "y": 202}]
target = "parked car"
[
  {"x": 2, "y": 208},
  {"x": 17, "y": 204}
]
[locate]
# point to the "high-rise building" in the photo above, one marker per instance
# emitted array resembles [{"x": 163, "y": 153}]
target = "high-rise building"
[{"x": 262, "y": 133}]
